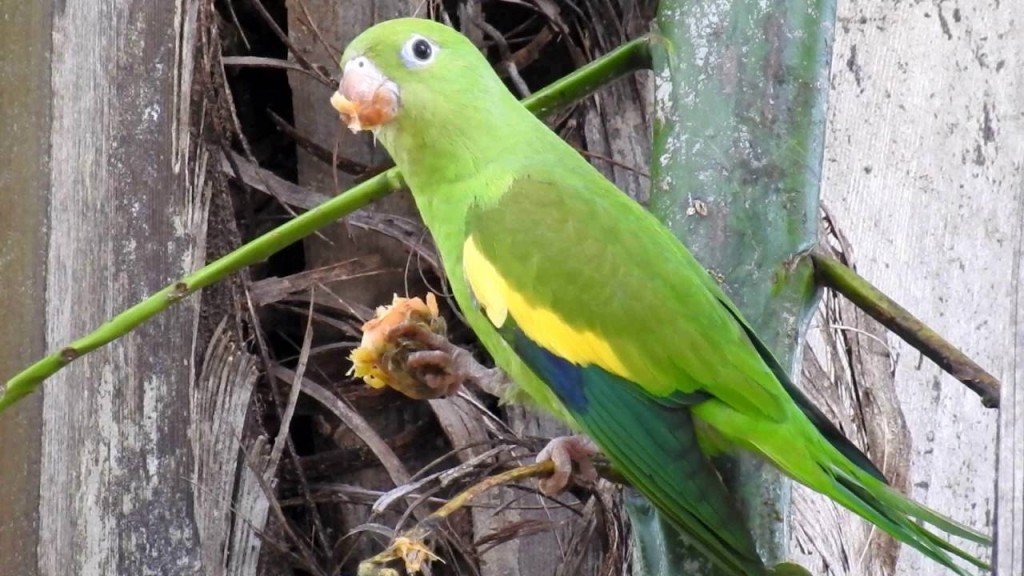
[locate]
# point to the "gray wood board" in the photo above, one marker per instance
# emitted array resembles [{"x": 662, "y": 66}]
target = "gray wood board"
[
  {"x": 125, "y": 220},
  {"x": 24, "y": 142},
  {"x": 923, "y": 172}
]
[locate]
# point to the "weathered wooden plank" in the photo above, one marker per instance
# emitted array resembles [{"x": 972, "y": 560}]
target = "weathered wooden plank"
[
  {"x": 922, "y": 171},
  {"x": 24, "y": 140},
  {"x": 125, "y": 219},
  {"x": 1010, "y": 480}
]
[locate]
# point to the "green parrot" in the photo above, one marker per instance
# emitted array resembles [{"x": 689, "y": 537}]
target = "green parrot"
[{"x": 594, "y": 308}]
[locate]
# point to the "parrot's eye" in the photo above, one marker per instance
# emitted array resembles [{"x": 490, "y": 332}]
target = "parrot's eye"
[
  {"x": 418, "y": 52},
  {"x": 421, "y": 50}
]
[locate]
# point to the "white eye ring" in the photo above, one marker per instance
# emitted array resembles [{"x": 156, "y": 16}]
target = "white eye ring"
[{"x": 418, "y": 52}]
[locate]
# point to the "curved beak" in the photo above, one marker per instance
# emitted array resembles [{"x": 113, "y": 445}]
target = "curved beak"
[{"x": 366, "y": 98}]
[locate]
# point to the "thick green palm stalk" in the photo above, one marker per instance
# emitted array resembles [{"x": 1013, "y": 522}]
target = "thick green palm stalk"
[{"x": 741, "y": 88}]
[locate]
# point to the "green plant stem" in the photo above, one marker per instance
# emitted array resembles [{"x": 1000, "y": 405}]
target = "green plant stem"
[
  {"x": 834, "y": 274},
  {"x": 628, "y": 58},
  {"x": 256, "y": 251}
]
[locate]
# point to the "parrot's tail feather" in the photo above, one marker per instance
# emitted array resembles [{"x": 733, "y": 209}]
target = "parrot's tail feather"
[
  {"x": 896, "y": 514},
  {"x": 901, "y": 529},
  {"x": 854, "y": 481},
  {"x": 915, "y": 510},
  {"x": 949, "y": 547}
]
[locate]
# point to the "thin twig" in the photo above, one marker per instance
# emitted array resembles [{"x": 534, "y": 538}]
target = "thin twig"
[
  {"x": 507, "y": 63},
  {"x": 284, "y": 433},
  {"x": 274, "y": 288},
  {"x": 836, "y": 275},
  {"x": 293, "y": 394},
  {"x": 410, "y": 546},
  {"x": 305, "y": 552},
  {"x": 638, "y": 171},
  {"x": 324, "y": 79},
  {"x": 264, "y": 62},
  {"x": 269, "y": 470},
  {"x": 531, "y": 52},
  {"x": 238, "y": 25},
  {"x": 237, "y": 124},
  {"x": 355, "y": 422}
]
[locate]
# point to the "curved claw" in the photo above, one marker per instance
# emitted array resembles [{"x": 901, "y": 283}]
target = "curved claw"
[
  {"x": 419, "y": 333},
  {"x": 563, "y": 451},
  {"x": 438, "y": 370}
]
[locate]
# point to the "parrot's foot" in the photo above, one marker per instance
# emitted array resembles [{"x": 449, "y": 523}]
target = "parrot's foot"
[
  {"x": 563, "y": 452},
  {"x": 437, "y": 369},
  {"x": 445, "y": 367}
]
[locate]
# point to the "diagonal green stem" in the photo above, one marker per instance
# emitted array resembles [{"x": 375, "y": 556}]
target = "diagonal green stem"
[
  {"x": 836, "y": 275},
  {"x": 630, "y": 57},
  {"x": 256, "y": 251}
]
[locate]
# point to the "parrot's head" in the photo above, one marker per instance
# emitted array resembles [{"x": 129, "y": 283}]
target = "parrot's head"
[{"x": 410, "y": 74}]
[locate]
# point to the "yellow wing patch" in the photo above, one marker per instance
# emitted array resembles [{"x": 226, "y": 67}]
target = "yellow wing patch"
[{"x": 543, "y": 326}]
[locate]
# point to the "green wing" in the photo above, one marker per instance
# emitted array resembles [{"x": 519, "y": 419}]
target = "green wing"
[
  {"x": 525, "y": 270},
  {"x": 650, "y": 357},
  {"x": 608, "y": 269}
]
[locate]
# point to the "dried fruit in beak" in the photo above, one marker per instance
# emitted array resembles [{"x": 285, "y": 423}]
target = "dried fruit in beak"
[{"x": 365, "y": 98}]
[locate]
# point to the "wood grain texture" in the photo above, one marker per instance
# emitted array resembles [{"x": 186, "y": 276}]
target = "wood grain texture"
[
  {"x": 923, "y": 172},
  {"x": 125, "y": 220},
  {"x": 1010, "y": 481},
  {"x": 229, "y": 505},
  {"x": 24, "y": 144}
]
